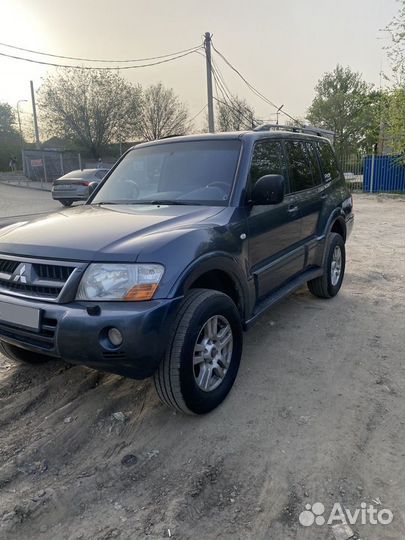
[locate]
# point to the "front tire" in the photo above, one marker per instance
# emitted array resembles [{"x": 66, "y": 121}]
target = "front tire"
[
  {"x": 20, "y": 355},
  {"x": 328, "y": 285},
  {"x": 203, "y": 356}
]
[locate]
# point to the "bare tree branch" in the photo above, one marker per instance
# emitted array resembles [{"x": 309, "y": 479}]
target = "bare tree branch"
[
  {"x": 91, "y": 108},
  {"x": 162, "y": 114}
]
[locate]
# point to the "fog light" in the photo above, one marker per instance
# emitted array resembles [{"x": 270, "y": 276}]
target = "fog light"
[{"x": 115, "y": 336}]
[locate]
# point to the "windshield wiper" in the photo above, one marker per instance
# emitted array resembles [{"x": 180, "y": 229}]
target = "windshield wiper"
[
  {"x": 168, "y": 202},
  {"x": 155, "y": 201},
  {"x": 105, "y": 202}
]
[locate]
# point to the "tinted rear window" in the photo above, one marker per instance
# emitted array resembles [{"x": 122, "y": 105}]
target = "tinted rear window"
[
  {"x": 304, "y": 170},
  {"x": 268, "y": 158},
  {"x": 329, "y": 163},
  {"x": 89, "y": 173}
]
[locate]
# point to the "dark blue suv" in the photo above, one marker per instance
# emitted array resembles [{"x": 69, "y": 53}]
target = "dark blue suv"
[{"x": 184, "y": 244}]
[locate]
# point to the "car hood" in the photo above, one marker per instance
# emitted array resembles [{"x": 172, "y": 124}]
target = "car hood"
[{"x": 91, "y": 232}]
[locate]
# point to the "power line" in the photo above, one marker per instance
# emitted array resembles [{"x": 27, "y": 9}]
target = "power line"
[
  {"x": 228, "y": 100},
  {"x": 244, "y": 80},
  {"x": 252, "y": 88},
  {"x": 100, "y": 68},
  {"x": 224, "y": 90},
  {"x": 198, "y": 114},
  {"x": 236, "y": 112},
  {"x": 230, "y": 96},
  {"x": 98, "y": 60},
  {"x": 222, "y": 81}
]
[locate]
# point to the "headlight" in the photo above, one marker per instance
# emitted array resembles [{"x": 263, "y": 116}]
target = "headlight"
[{"x": 128, "y": 282}]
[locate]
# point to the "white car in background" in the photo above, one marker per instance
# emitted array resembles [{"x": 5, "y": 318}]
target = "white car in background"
[{"x": 75, "y": 185}]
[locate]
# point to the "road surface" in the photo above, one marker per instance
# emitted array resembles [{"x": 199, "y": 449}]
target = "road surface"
[{"x": 19, "y": 201}]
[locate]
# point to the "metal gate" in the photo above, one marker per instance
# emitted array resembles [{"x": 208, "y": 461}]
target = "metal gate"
[{"x": 383, "y": 174}]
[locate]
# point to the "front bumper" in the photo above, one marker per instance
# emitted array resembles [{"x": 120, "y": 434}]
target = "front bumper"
[{"x": 77, "y": 332}]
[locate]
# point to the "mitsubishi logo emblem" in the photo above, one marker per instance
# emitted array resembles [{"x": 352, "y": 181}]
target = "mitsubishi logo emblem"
[{"x": 20, "y": 274}]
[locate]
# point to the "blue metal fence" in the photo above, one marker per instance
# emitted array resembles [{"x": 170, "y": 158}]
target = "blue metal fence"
[{"x": 385, "y": 175}]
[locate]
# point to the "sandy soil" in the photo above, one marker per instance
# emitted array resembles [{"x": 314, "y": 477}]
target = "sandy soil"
[{"x": 317, "y": 415}]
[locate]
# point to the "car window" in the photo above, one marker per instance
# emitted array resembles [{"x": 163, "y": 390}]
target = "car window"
[
  {"x": 303, "y": 171},
  {"x": 100, "y": 173},
  {"x": 268, "y": 158},
  {"x": 314, "y": 162},
  {"x": 73, "y": 174},
  {"x": 80, "y": 174},
  {"x": 330, "y": 167},
  {"x": 189, "y": 172}
]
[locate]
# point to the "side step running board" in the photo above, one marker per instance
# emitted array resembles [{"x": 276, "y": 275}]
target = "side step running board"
[{"x": 281, "y": 293}]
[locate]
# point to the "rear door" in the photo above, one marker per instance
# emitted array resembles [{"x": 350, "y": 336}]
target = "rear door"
[
  {"x": 308, "y": 187},
  {"x": 274, "y": 230}
]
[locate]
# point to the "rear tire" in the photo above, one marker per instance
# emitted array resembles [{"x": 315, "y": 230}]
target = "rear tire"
[
  {"x": 22, "y": 355},
  {"x": 197, "y": 372},
  {"x": 328, "y": 285},
  {"x": 66, "y": 202}
]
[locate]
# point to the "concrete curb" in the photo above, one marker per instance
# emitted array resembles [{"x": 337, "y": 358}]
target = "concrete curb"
[{"x": 5, "y": 182}]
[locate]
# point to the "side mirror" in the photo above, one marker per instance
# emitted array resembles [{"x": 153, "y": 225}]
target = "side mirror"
[
  {"x": 268, "y": 189},
  {"x": 92, "y": 187}
]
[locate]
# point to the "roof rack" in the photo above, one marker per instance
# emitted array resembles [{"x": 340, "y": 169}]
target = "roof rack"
[{"x": 312, "y": 130}]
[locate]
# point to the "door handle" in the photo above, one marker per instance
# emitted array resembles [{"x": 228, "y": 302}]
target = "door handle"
[
  {"x": 292, "y": 208},
  {"x": 323, "y": 195}
]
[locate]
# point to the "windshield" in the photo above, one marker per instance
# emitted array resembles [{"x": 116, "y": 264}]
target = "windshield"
[{"x": 196, "y": 172}]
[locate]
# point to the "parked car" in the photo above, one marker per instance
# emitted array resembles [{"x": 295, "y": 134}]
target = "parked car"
[
  {"x": 74, "y": 186},
  {"x": 183, "y": 245}
]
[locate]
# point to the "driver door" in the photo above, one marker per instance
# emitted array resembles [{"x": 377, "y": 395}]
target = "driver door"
[{"x": 274, "y": 230}]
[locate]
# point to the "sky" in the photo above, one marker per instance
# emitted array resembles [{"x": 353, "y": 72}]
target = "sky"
[{"x": 282, "y": 47}]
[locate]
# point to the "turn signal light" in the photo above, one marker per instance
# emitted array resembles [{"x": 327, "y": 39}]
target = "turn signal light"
[{"x": 141, "y": 292}]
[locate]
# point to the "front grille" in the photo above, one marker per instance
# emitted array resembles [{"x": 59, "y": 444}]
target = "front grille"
[
  {"x": 30, "y": 290},
  {"x": 44, "y": 339},
  {"x": 8, "y": 267},
  {"x": 53, "y": 272},
  {"x": 33, "y": 278}
]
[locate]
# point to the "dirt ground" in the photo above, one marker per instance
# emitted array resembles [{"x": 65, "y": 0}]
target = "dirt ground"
[{"x": 317, "y": 415}]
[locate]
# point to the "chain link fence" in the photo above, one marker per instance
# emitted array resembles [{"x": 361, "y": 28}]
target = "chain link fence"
[
  {"x": 48, "y": 165},
  {"x": 353, "y": 170}
]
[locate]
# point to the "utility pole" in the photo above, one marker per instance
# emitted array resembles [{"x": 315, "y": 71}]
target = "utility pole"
[
  {"x": 21, "y": 135},
  {"x": 207, "y": 46},
  {"x": 34, "y": 112},
  {"x": 373, "y": 167}
]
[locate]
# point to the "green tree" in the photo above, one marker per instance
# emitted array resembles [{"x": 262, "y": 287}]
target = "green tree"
[
  {"x": 9, "y": 138},
  {"x": 346, "y": 104},
  {"x": 396, "y": 49},
  {"x": 236, "y": 115},
  {"x": 162, "y": 114},
  {"x": 7, "y": 119},
  {"x": 396, "y": 121},
  {"x": 396, "y": 102},
  {"x": 90, "y": 108},
  {"x": 372, "y": 119}
]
